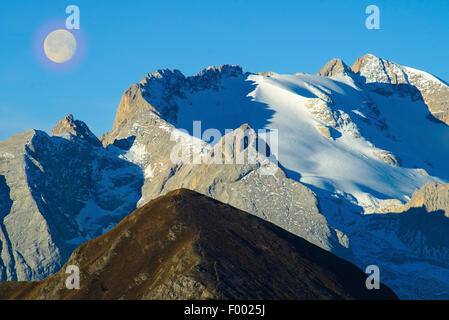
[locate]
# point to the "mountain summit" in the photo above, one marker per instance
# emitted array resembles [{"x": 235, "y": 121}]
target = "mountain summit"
[
  {"x": 435, "y": 93},
  {"x": 68, "y": 125},
  {"x": 335, "y": 67}
]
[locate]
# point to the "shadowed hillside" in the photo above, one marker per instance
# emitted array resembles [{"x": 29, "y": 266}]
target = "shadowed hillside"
[{"x": 185, "y": 245}]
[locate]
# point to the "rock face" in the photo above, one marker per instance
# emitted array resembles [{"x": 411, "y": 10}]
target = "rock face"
[
  {"x": 334, "y": 68},
  {"x": 432, "y": 197},
  {"x": 58, "y": 192},
  {"x": 408, "y": 242},
  {"x": 249, "y": 187},
  {"x": 77, "y": 128},
  {"x": 19, "y": 215},
  {"x": 187, "y": 246}
]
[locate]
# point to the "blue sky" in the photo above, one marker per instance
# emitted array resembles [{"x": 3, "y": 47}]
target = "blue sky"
[{"x": 124, "y": 40}]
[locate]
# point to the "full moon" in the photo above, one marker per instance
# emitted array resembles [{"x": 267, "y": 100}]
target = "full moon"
[{"x": 60, "y": 46}]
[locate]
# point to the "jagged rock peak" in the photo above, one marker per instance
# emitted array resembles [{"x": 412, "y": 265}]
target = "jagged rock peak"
[
  {"x": 364, "y": 60},
  {"x": 75, "y": 127},
  {"x": 377, "y": 70},
  {"x": 209, "y": 77},
  {"x": 371, "y": 66},
  {"x": 173, "y": 82},
  {"x": 225, "y": 69},
  {"x": 175, "y": 75},
  {"x": 334, "y": 67},
  {"x": 369, "y": 61},
  {"x": 165, "y": 74}
]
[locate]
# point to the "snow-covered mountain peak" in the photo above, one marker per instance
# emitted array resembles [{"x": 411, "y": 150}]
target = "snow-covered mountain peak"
[
  {"x": 375, "y": 69},
  {"x": 362, "y": 126},
  {"x": 387, "y": 77}
]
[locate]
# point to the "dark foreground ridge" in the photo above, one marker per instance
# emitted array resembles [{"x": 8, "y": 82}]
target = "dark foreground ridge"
[{"x": 185, "y": 245}]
